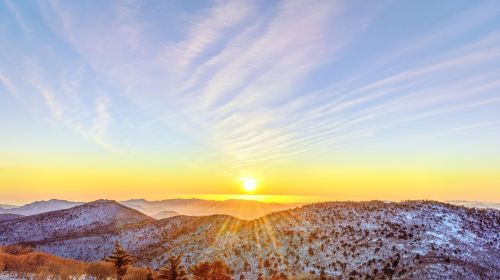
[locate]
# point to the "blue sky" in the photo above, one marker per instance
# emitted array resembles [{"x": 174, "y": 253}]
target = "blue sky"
[{"x": 246, "y": 83}]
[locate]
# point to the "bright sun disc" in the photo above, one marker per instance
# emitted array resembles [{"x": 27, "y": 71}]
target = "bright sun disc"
[{"x": 249, "y": 184}]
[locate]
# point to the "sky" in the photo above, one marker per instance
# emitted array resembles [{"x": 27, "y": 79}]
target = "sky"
[{"x": 336, "y": 100}]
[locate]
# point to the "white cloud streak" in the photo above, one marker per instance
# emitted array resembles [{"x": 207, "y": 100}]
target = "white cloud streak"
[{"x": 239, "y": 78}]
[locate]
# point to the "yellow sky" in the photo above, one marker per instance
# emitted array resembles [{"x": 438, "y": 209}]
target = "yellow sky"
[
  {"x": 345, "y": 103},
  {"x": 288, "y": 183}
]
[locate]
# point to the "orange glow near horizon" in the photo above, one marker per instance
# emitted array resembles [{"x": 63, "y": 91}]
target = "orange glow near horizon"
[
  {"x": 287, "y": 184},
  {"x": 25, "y": 178}
]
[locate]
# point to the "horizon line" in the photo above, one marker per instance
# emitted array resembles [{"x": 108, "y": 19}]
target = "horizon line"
[{"x": 263, "y": 198}]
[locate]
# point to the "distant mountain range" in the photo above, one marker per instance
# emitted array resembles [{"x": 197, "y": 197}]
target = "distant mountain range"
[
  {"x": 160, "y": 209},
  {"x": 7, "y": 206},
  {"x": 244, "y": 209},
  {"x": 38, "y": 207},
  {"x": 477, "y": 204},
  {"x": 407, "y": 240}
]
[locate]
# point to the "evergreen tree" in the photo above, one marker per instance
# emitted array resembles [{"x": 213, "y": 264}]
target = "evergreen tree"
[
  {"x": 121, "y": 260},
  {"x": 173, "y": 270},
  {"x": 218, "y": 270}
]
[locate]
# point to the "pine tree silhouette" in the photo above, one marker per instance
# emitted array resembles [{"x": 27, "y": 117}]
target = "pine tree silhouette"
[
  {"x": 121, "y": 260},
  {"x": 172, "y": 270}
]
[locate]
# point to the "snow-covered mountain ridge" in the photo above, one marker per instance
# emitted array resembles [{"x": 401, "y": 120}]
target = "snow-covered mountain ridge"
[
  {"x": 415, "y": 239},
  {"x": 83, "y": 220}
]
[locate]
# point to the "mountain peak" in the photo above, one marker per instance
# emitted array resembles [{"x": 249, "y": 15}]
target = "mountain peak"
[
  {"x": 91, "y": 218},
  {"x": 41, "y": 206},
  {"x": 101, "y": 202}
]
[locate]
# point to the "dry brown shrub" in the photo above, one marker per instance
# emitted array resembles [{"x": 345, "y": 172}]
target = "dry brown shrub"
[
  {"x": 36, "y": 265},
  {"x": 16, "y": 249},
  {"x": 100, "y": 270},
  {"x": 136, "y": 274},
  {"x": 41, "y": 264}
]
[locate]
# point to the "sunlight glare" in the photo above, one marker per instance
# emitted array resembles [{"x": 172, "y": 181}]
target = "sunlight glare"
[{"x": 249, "y": 184}]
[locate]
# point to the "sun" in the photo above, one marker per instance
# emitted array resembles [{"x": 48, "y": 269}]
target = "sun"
[{"x": 249, "y": 184}]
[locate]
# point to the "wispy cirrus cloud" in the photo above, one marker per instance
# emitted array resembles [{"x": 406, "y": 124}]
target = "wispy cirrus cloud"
[
  {"x": 205, "y": 33},
  {"x": 8, "y": 84},
  {"x": 474, "y": 128},
  {"x": 63, "y": 98},
  {"x": 101, "y": 122},
  {"x": 92, "y": 123},
  {"x": 17, "y": 15},
  {"x": 255, "y": 82}
]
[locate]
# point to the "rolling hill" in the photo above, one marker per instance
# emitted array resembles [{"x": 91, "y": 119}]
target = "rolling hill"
[
  {"x": 8, "y": 217},
  {"x": 165, "y": 214}
]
